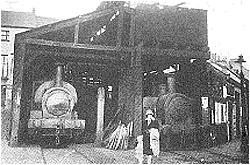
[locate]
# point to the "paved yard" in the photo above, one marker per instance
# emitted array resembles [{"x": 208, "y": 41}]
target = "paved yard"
[{"x": 91, "y": 154}]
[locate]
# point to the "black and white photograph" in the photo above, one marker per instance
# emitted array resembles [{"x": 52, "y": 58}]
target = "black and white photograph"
[{"x": 125, "y": 82}]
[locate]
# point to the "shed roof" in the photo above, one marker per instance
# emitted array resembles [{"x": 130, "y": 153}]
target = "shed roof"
[{"x": 168, "y": 32}]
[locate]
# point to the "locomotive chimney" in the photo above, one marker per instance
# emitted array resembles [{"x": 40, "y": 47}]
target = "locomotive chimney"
[{"x": 59, "y": 75}]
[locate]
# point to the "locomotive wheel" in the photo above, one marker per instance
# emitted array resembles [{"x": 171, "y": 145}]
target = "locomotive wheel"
[{"x": 52, "y": 142}]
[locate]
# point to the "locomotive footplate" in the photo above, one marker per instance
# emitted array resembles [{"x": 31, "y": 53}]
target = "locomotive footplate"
[
  {"x": 55, "y": 117},
  {"x": 56, "y": 128},
  {"x": 37, "y": 134},
  {"x": 57, "y": 132}
]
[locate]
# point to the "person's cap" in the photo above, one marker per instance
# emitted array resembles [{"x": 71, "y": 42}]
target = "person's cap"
[
  {"x": 139, "y": 138},
  {"x": 149, "y": 112}
]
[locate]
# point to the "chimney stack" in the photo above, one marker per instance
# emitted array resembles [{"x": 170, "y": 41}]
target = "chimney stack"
[
  {"x": 34, "y": 11},
  {"x": 59, "y": 74}
]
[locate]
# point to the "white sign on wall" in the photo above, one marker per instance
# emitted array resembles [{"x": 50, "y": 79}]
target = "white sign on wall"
[{"x": 204, "y": 101}]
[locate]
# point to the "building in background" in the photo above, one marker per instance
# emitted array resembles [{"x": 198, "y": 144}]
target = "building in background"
[
  {"x": 222, "y": 103},
  {"x": 13, "y": 23}
]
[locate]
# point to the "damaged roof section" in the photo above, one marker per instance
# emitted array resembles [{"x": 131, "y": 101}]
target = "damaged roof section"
[
  {"x": 88, "y": 27},
  {"x": 171, "y": 27},
  {"x": 99, "y": 31}
]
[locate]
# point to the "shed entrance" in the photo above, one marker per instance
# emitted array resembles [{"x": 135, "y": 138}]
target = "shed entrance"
[
  {"x": 86, "y": 78},
  {"x": 108, "y": 42}
]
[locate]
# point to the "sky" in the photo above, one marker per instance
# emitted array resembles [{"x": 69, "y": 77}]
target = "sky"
[{"x": 228, "y": 22}]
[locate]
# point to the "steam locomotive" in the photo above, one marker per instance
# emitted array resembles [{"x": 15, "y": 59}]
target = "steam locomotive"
[
  {"x": 54, "y": 116},
  {"x": 177, "y": 114}
]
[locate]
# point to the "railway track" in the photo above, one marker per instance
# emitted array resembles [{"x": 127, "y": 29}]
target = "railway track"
[
  {"x": 54, "y": 152},
  {"x": 234, "y": 158},
  {"x": 204, "y": 156},
  {"x": 186, "y": 158},
  {"x": 207, "y": 157},
  {"x": 43, "y": 156},
  {"x": 92, "y": 162}
]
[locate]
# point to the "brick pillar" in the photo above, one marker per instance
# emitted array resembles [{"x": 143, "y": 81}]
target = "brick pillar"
[{"x": 130, "y": 91}]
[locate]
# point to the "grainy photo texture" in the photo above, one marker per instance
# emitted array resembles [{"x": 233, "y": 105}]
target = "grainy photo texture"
[{"x": 124, "y": 82}]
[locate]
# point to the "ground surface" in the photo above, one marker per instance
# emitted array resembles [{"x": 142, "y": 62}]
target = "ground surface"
[{"x": 91, "y": 154}]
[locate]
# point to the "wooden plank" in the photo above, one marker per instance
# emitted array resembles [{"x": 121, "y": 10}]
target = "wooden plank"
[
  {"x": 101, "y": 65},
  {"x": 40, "y": 53},
  {"x": 66, "y": 23},
  {"x": 120, "y": 28},
  {"x": 17, "y": 92},
  {"x": 176, "y": 53},
  {"x": 132, "y": 31},
  {"x": 76, "y": 33},
  {"x": 72, "y": 45}
]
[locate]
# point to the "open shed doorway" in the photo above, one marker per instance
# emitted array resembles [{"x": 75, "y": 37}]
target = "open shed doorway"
[
  {"x": 86, "y": 109},
  {"x": 86, "y": 77}
]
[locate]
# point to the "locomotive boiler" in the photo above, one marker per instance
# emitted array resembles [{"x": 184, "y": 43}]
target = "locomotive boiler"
[{"x": 55, "y": 116}]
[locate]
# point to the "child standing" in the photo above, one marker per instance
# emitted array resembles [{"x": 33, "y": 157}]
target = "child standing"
[
  {"x": 139, "y": 149},
  {"x": 150, "y": 136}
]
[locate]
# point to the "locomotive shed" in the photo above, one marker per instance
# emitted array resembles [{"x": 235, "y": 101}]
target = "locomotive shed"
[{"x": 121, "y": 50}]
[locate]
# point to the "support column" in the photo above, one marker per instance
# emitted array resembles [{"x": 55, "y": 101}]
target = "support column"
[
  {"x": 137, "y": 76},
  {"x": 124, "y": 90},
  {"x": 17, "y": 92},
  {"x": 130, "y": 92},
  {"x": 76, "y": 32},
  {"x": 120, "y": 28},
  {"x": 130, "y": 85},
  {"x": 100, "y": 114},
  {"x": 126, "y": 82}
]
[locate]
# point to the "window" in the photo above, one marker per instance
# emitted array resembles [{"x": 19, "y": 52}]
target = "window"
[
  {"x": 5, "y": 35},
  {"x": 222, "y": 113},
  {"x": 230, "y": 90},
  {"x": 4, "y": 61},
  {"x": 3, "y": 95},
  {"x": 217, "y": 113}
]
